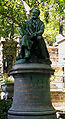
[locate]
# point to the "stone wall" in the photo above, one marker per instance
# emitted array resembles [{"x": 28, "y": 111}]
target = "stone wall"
[
  {"x": 58, "y": 96},
  {"x": 53, "y": 52},
  {"x": 58, "y": 100},
  {"x": 61, "y": 52}
]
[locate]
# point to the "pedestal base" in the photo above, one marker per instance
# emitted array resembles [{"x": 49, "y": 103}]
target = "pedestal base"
[
  {"x": 32, "y": 117},
  {"x": 31, "y": 92}
]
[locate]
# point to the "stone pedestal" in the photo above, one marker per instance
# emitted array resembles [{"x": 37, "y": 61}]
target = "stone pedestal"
[{"x": 31, "y": 92}]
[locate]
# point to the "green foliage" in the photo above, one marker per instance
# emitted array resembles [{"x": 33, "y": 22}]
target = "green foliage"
[
  {"x": 13, "y": 15},
  {"x": 4, "y": 107},
  {"x": 52, "y": 78},
  {"x": 6, "y": 78},
  {"x": 52, "y": 19},
  {"x": 58, "y": 74},
  {"x": 9, "y": 48},
  {"x": 9, "y": 53},
  {"x": 60, "y": 6}
]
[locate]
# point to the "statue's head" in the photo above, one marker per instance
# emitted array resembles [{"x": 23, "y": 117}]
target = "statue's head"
[{"x": 35, "y": 13}]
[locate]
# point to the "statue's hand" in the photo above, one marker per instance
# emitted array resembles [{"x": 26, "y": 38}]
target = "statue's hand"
[{"x": 34, "y": 34}]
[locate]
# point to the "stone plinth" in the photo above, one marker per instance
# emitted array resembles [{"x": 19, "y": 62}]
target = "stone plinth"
[{"x": 31, "y": 92}]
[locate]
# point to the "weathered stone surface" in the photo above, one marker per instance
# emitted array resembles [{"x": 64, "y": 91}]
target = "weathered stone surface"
[
  {"x": 57, "y": 96},
  {"x": 58, "y": 100}
]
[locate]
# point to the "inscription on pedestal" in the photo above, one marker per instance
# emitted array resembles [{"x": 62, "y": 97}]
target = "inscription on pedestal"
[{"x": 31, "y": 91}]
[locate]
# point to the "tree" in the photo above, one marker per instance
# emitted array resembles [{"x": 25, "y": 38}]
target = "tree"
[
  {"x": 11, "y": 18},
  {"x": 13, "y": 14},
  {"x": 50, "y": 10}
]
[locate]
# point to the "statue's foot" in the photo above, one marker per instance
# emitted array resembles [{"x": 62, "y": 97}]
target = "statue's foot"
[{"x": 27, "y": 55}]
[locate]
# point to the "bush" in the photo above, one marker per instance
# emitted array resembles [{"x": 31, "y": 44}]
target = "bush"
[
  {"x": 6, "y": 78},
  {"x": 4, "y": 107}
]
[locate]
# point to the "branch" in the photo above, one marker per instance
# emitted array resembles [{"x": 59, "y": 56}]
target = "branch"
[
  {"x": 27, "y": 8},
  {"x": 35, "y": 5}
]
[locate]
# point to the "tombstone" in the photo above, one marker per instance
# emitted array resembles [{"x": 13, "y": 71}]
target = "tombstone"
[{"x": 32, "y": 72}]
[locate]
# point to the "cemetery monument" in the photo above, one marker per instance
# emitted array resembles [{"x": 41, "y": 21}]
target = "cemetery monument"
[{"x": 32, "y": 72}]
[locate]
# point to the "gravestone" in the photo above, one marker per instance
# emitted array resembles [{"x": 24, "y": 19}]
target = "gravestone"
[{"x": 32, "y": 72}]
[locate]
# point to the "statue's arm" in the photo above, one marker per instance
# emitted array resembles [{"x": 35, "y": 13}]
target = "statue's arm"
[
  {"x": 40, "y": 32},
  {"x": 28, "y": 28}
]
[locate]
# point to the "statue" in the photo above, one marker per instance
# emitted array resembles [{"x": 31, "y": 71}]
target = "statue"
[{"x": 33, "y": 47}]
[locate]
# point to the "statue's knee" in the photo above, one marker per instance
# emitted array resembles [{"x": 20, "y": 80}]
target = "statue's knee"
[{"x": 25, "y": 37}]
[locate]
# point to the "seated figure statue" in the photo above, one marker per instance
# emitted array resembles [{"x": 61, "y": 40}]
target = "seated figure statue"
[{"x": 32, "y": 43}]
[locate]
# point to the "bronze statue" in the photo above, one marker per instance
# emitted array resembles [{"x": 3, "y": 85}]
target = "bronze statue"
[{"x": 32, "y": 44}]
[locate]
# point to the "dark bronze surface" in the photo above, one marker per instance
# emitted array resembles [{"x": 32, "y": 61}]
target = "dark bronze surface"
[
  {"x": 31, "y": 92},
  {"x": 32, "y": 45}
]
